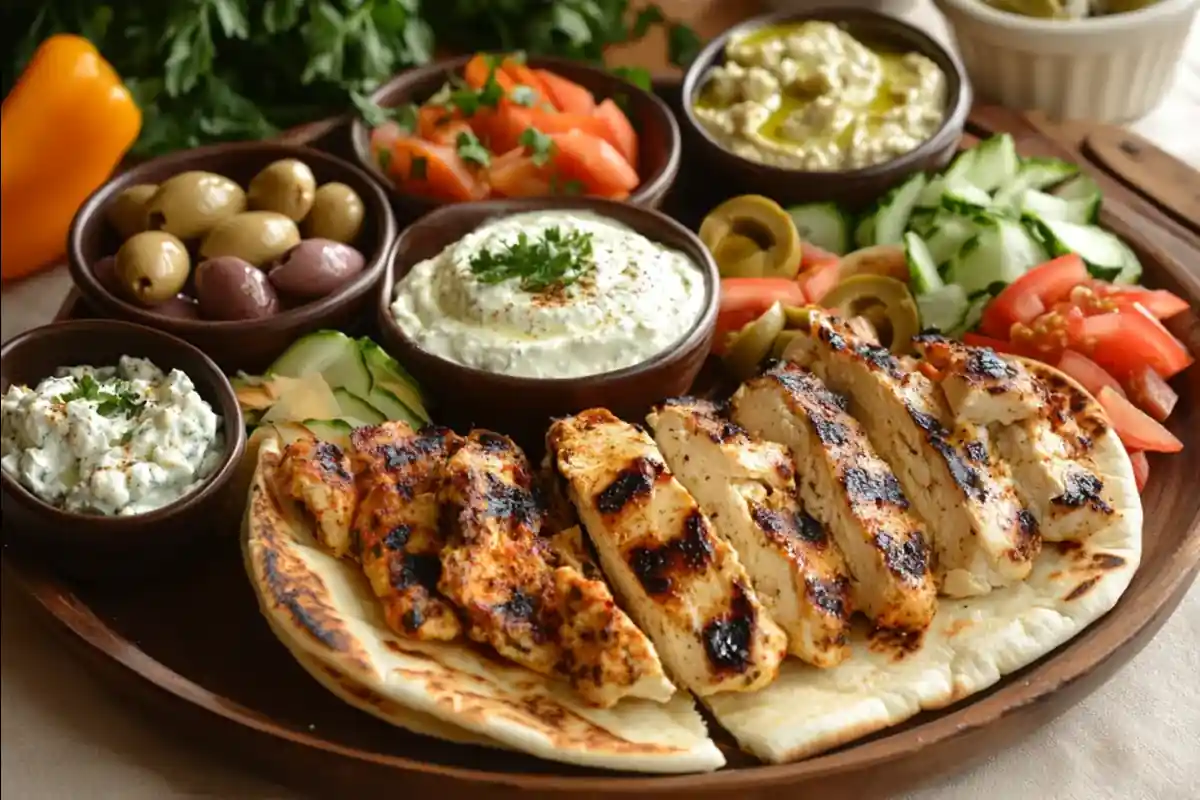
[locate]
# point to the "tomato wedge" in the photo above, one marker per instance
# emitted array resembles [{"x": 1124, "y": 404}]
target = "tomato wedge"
[
  {"x": 744, "y": 300},
  {"x": 524, "y": 76},
  {"x": 819, "y": 280},
  {"x": 476, "y": 72},
  {"x": 1151, "y": 393},
  {"x": 1032, "y": 293},
  {"x": 621, "y": 134},
  {"x": 813, "y": 256},
  {"x": 1087, "y": 373},
  {"x": 593, "y": 162},
  {"x": 1136, "y": 429},
  {"x": 556, "y": 122},
  {"x": 433, "y": 170},
  {"x": 1124, "y": 341},
  {"x": 1141, "y": 468},
  {"x": 999, "y": 345},
  {"x": 1159, "y": 302},
  {"x": 513, "y": 174},
  {"x": 567, "y": 95}
]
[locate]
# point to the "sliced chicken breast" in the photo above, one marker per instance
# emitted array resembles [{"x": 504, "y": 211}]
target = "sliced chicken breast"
[
  {"x": 682, "y": 583},
  {"x": 850, "y": 489},
  {"x": 1051, "y": 457},
  {"x": 499, "y": 570},
  {"x": 980, "y": 386},
  {"x": 399, "y": 475},
  {"x": 981, "y": 534},
  {"x": 747, "y": 488},
  {"x": 317, "y": 476}
]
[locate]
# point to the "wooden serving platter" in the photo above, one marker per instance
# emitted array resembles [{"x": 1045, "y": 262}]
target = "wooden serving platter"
[{"x": 193, "y": 648}]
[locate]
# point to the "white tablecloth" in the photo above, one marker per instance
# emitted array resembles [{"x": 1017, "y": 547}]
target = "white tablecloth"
[{"x": 63, "y": 736}]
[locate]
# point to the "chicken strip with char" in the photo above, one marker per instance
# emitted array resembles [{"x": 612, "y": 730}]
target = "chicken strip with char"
[
  {"x": 317, "y": 476},
  {"x": 980, "y": 386}
]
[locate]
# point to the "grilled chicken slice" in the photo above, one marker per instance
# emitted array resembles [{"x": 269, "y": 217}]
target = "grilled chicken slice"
[
  {"x": 1052, "y": 458},
  {"x": 681, "y": 583},
  {"x": 498, "y": 568},
  {"x": 399, "y": 473},
  {"x": 747, "y": 489},
  {"x": 980, "y": 386},
  {"x": 982, "y": 536},
  {"x": 317, "y": 476},
  {"x": 850, "y": 489},
  {"x": 561, "y": 531}
]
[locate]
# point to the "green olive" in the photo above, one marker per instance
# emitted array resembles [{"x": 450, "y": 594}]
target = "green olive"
[
  {"x": 190, "y": 204},
  {"x": 884, "y": 302},
  {"x": 152, "y": 267},
  {"x": 799, "y": 317},
  {"x": 337, "y": 214},
  {"x": 887, "y": 260},
  {"x": 286, "y": 186},
  {"x": 783, "y": 341},
  {"x": 127, "y": 212},
  {"x": 749, "y": 346},
  {"x": 256, "y": 237},
  {"x": 752, "y": 237}
]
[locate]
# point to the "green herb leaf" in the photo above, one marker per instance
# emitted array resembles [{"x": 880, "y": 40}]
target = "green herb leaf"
[
  {"x": 419, "y": 169},
  {"x": 683, "y": 44},
  {"x": 572, "y": 24},
  {"x": 232, "y": 18},
  {"x": 281, "y": 15},
  {"x": 471, "y": 149},
  {"x": 647, "y": 18},
  {"x": 122, "y": 401},
  {"x": 492, "y": 92},
  {"x": 638, "y": 76},
  {"x": 523, "y": 95},
  {"x": 539, "y": 145},
  {"x": 552, "y": 261},
  {"x": 384, "y": 159},
  {"x": 570, "y": 187}
]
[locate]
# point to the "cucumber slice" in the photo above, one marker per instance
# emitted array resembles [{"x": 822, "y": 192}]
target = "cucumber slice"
[
  {"x": 392, "y": 407},
  {"x": 864, "y": 232},
  {"x": 1106, "y": 255},
  {"x": 931, "y": 196},
  {"x": 949, "y": 233},
  {"x": 826, "y": 225},
  {"x": 943, "y": 308},
  {"x": 894, "y": 211},
  {"x": 922, "y": 269},
  {"x": 996, "y": 163},
  {"x": 1082, "y": 191},
  {"x": 1000, "y": 253},
  {"x": 336, "y": 431},
  {"x": 1055, "y": 209},
  {"x": 972, "y": 317},
  {"x": 1038, "y": 173},
  {"x": 922, "y": 221},
  {"x": 960, "y": 167},
  {"x": 354, "y": 406},
  {"x": 963, "y": 198},
  {"x": 331, "y": 354},
  {"x": 387, "y": 372},
  {"x": 1131, "y": 268}
]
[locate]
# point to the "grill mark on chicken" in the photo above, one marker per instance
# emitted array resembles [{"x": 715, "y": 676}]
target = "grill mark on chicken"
[
  {"x": 870, "y": 487},
  {"x": 781, "y": 527},
  {"x": 421, "y": 569},
  {"x": 984, "y": 363},
  {"x": 727, "y": 638},
  {"x": 690, "y": 552},
  {"x": 964, "y": 475},
  {"x": 1082, "y": 488},
  {"x": 632, "y": 483},
  {"x": 880, "y": 358},
  {"x": 831, "y": 596},
  {"x": 316, "y": 476},
  {"x": 1029, "y": 540},
  {"x": 810, "y": 529},
  {"x": 908, "y": 558},
  {"x": 330, "y": 458}
]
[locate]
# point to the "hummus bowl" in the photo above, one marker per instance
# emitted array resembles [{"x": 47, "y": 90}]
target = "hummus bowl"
[
  {"x": 523, "y": 403},
  {"x": 760, "y": 164}
]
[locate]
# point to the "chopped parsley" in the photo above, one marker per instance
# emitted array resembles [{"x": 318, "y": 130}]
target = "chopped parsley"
[
  {"x": 384, "y": 159},
  {"x": 523, "y": 95},
  {"x": 108, "y": 403},
  {"x": 469, "y": 100},
  {"x": 555, "y": 259},
  {"x": 638, "y": 76},
  {"x": 418, "y": 170},
  {"x": 471, "y": 149},
  {"x": 406, "y": 116},
  {"x": 567, "y": 187},
  {"x": 539, "y": 145}
]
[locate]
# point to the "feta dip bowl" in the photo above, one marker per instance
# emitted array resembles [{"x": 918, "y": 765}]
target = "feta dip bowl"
[
  {"x": 118, "y": 444},
  {"x": 514, "y": 311}
]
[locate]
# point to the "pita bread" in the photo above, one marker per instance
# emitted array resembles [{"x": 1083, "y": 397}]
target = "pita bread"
[
  {"x": 323, "y": 609},
  {"x": 971, "y": 644}
]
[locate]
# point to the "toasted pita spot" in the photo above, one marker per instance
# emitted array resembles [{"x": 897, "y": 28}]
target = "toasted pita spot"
[
  {"x": 899, "y": 644},
  {"x": 1107, "y": 561},
  {"x": 1083, "y": 588}
]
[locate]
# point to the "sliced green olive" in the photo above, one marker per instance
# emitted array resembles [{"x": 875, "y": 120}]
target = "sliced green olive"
[
  {"x": 885, "y": 303},
  {"x": 887, "y": 260},
  {"x": 752, "y": 237},
  {"x": 783, "y": 341},
  {"x": 799, "y": 317},
  {"x": 749, "y": 346}
]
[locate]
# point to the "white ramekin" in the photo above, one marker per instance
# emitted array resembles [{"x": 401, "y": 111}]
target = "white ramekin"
[{"x": 1108, "y": 69}]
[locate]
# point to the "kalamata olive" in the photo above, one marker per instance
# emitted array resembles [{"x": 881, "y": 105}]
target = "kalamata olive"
[
  {"x": 257, "y": 237},
  {"x": 191, "y": 204},
  {"x": 105, "y": 271},
  {"x": 286, "y": 186},
  {"x": 230, "y": 288},
  {"x": 127, "y": 211},
  {"x": 152, "y": 266},
  {"x": 337, "y": 213},
  {"x": 179, "y": 307},
  {"x": 316, "y": 267}
]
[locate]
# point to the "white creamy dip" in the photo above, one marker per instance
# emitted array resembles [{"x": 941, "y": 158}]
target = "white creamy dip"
[
  {"x": 634, "y": 300},
  {"x": 111, "y": 440}
]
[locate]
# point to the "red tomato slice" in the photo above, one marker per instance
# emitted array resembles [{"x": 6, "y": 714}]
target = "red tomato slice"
[
  {"x": 383, "y": 136},
  {"x": 621, "y": 134},
  {"x": 999, "y": 345},
  {"x": 593, "y": 162},
  {"x": 1131, "y": 338},
  {"x": 476, "y": 72},
  {"x": 1141, "y": 468},
  {"x": 744, "y": 300},
  {"x": 1088, "y": 373},
  {"x": 514, "y": 174},
  {"x": 1136, "y": 429},
  {"x": 820, "y": 280},
  {"x": 524, "y": 76},
  {"x": 1159, "y": 302},
  {"x": 813, "y": 256},
  {"x": 566, "y": 94},
  {"x": 1151, "y": 393},
  {"x": 1047, "y": 283},
  {"x": 556, "y": 122},
  {"x": 439, "y": 173}
]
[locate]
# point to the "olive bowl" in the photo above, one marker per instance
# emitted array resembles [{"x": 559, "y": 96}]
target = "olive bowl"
[
  {"x": 855, "y": 189},
  {"x": 659, "y": 149},
  {"x": 252, "y": 344},
  {"x": 92, "y": 546},
  {"x": 522, "y": 406}
]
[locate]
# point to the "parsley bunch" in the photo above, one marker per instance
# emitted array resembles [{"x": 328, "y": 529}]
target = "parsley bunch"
[
  {"x": 554, "y": 260},
  {"x": 121, "y": 402}
]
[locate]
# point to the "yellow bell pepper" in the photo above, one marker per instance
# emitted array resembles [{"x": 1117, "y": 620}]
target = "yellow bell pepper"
[{"x": 64, "y": 128}]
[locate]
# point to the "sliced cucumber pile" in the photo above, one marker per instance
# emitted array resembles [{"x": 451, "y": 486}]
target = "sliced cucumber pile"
[
  {"x": 826, "y": 225},
  {"x": 982, "y": 223}
]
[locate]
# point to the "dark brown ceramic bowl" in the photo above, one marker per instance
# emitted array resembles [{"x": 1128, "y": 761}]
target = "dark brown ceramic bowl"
[
  {"x": 521, "y": 407},
  {"x": 658, "y": 132},
  {"x": 245, "y": 344},
  {"x": 856, "y": 188},
  {"x": 90, "y": 546}
]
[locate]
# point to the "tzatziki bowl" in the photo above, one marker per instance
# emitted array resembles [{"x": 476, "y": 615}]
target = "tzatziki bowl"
[
  {"x": 827, "y": 105},
  {"x": 119, "y": 445},
  {"x": 511, "y": 312}
]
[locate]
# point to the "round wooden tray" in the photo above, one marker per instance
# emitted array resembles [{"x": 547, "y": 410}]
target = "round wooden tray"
[{"x": 193, "y": 646}]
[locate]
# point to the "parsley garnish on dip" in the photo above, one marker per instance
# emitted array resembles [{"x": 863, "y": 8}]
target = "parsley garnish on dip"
[
  {"x": 550, "y": 294},
  {"x": 112, "y": 440}
]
